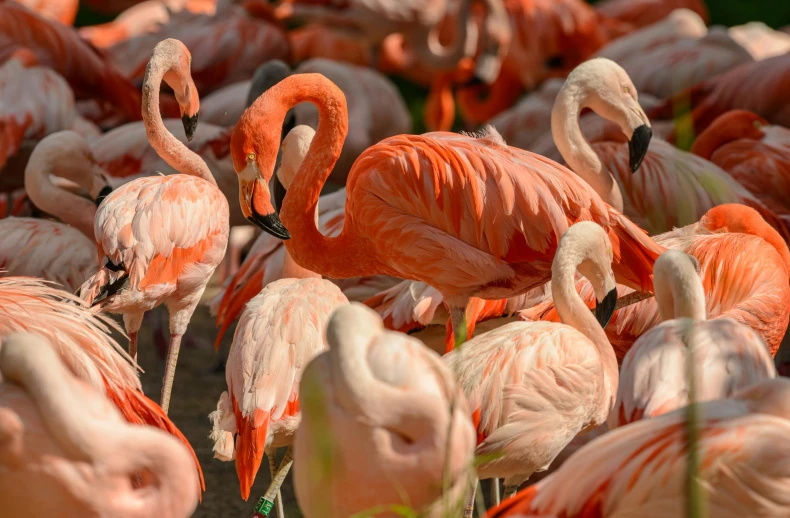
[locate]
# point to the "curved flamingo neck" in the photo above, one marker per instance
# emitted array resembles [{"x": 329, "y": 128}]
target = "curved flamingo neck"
[
  {"x": 727, "y": 128},
  {"x": 167, "y": 146},
  {"x": 679, "y": 291},
  {"x": 574, "y": 148},
  {"x": 337, "y": 257}
]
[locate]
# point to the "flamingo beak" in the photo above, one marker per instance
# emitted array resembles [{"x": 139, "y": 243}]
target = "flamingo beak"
[
  {"x": 279, "y": 192},
  {"x": 605, "y": 309},
  {"x": 106, "y": 190},
  {"x": 256, "y": 204},
  {"x": 190, "y": 125},
  {"x": 637, "y": 146}
]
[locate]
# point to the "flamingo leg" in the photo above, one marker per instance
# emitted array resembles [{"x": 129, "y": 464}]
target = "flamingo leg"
[
  {"x": 495, "y": 492},
  {"x": 272, "y": 455},
  {"x": 170, "y": 370},
  {"x": 132, "y": 322},
  {"x": 469, "y": 507},
  {"x": 279, "y": 477},
  {"x": 510, "y": 490},
  {"x": 458, "y": 319}
]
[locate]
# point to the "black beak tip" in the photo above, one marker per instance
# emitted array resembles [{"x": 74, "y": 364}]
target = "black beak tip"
[
  {"x": 270, "y": 223},
  {"x": 190, "y": 125},
  {"x": 605, "y": 309},
  {"x": 279, "y": 193},
  {"x": 638, "y": 146},
  {"x": 103, "y": 194}
]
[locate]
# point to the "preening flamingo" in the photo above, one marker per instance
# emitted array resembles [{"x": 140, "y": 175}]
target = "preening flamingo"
[
  {"x": 726, "y": 354},
  {"x": 160, "y": 238},
  {"x": 61, "y": 252},
  {"x": 83, "y": 341},
  {"x": 423, "y": 207},
  {"x": 67, "y": 452},
  {"x": 744, "y": 270},
  {"x": 59, "y": 47},
  {"x": 266, "y": 260},
  {"x": 383, "y": 424},
  {"x": 641, "y": 469},
  {"x": 533, "y": 386},
  {"x": 743, "y": 144},
  {"x": 376, "y": 109}
]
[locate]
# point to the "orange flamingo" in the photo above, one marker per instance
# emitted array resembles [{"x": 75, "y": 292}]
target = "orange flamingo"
[
  {"x": 533, "y": 386},
  {"x": 82, "y": 340},
  {"x": 744, "y": 265},
  {"x": 394, "y": 417},
  {"x": 641, "y": 468},
  {"x": 60, "y": 48},
  {"x": 63, "y": 11},
  {"x": 60, "y": 252},
  {"x": 160, "y": 238},
  {"x": 421, "y": 207},
  {"x": 67, "y": 452},
  {"x": 728, "y": 355},
  {"x": 742, "y": 143}
]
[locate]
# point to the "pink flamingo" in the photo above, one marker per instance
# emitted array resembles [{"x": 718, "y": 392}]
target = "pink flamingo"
[
  {"x": 416, "y": 204},
  {"x": 744, "y": 265},
  {"x": 160, "y": 238},
  {"x": 641, "y": 13},
  {"x": 67, "y": 452},
  {"x": 533, "y": 386},
  {"x": 761, "y": 41},
  {"x": 279, "y": 332},
  {"x": 83, "y": 341},
  {"x": 641, "y": 468},
  {"x": 729, "y": 355},
  {"x": 392, "y": 416},
  {"x": 60, "y": 252}
]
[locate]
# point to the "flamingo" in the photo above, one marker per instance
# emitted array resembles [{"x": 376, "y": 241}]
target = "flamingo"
[
  {"x": 266, "y": 260},
  {"x": 89, "y": 74},
  {"x": 63, "y": 11},
  {"x": 729, "y": 355},
  {"x": 34, "y": 102},
  {"x": 82, "y": 340},
  {"x": 67, "y": 452},
  {"x": 641, "y": 13},
  {"x": 380, "y": 408},
  {"x": 533, "y": 386},
  {"x": 60, "y": 252},
  {"x": 760, "y": 40},
  {"x": 672, "y": 187},
  {"x": 744, "y": 270},
  {"x": 642, "y": 468},
  {"x": 376, "y": 109},
  {"x": 161, "y": 237},
  {"x": 416, "y": 204},
  {"x": 742, "y": 143}
]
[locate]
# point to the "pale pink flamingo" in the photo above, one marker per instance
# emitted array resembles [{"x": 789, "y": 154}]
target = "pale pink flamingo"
[
  {"x": 160, "y": 238},
  {"x": 67, "y": 452},
  {"x": 376, "y": 109},
  {"x": 227, "y": 48},
  {"x": 34, "y": 102},
  {"x": 742, "y": 143},
  {"x": 533, "y": 386},
  {"x": 641, "y": 470},
  {"x": 726, "y": 354},
  {"x": 83, "y": 341},
  {"x": 761, "y": 41},
  {"x": 744, "y": 265},
  {"x": 641, "y": 13},
  {"x": 61, "y": 252},
  {"x": 422, "y": 207},
  {"x": 672, "y": 188},
  {"x": 393, "y": 418}
]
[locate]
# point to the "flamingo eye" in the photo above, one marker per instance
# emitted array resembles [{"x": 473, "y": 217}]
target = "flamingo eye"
[
  {"x": 626, "y": 89},
  {"x": 250, "y": 157}
]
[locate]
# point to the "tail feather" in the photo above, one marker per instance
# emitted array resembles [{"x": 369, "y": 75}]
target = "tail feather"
[
  {"x": 250, "y": 446},
  {"x": 136, "y": 408},
  {"x": 518, "y": 505},
  {"x": 634, "y": 253}
]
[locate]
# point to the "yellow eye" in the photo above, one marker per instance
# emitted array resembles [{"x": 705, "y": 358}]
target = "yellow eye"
[
  {"x": 626, "y": 89},
  {"x": 250, "y": 157}
]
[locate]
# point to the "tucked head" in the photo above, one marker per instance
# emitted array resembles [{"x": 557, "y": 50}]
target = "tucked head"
[
  {"x": 605, "y": 87},
  {"x": 585, "y": 247},
  {"x": 733, "y": 125},
  {"x": 174, "y": 57}
]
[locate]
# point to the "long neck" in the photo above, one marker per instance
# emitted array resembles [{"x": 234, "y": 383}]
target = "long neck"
[
  {"x": 66, "y": 206},
  {"x": 575, "y": 313},
  {"x": 679, "y": 294},
  {"x": 575, "y": 149},
  {"x": 433, "y": 54},
  {"x": 338, "y": 257},
  {"x": 167, "y": 146}
]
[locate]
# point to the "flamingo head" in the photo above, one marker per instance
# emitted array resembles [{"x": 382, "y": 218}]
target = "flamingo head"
[{"x": 179, "y": 78}]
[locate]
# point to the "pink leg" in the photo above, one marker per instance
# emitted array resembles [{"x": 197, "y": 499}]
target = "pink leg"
[
  {"x": 133, "y": 346},
  {"x": 132, "y": 322},
  {"x": 170, "y": 370}
]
